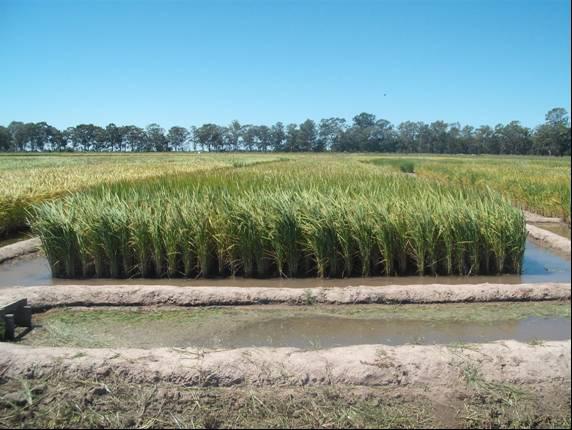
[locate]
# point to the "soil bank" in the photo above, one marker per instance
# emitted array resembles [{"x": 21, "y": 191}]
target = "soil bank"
[
  {"x": 366, "y": 365},
  {"x": 47, "y": 297}
]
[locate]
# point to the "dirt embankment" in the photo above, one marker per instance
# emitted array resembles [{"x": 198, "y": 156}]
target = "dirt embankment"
[
  {"x": 20, "y": 248},
  {"x": 47, "y": 297},
  {"x": 532, "y": 217},
  {"x": 367, "y": 365},
  {"x": 549, "y": 239}
]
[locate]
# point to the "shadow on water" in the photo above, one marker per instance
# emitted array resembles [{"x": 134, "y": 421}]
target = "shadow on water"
[{"x": 539, "y": 265}]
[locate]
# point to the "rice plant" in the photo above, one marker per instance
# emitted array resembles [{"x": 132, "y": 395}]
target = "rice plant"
[
  {"x": 31, "y": 179},
  {"x": 292, "y": 219}
]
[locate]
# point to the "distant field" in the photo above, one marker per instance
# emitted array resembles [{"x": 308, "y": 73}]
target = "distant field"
[
  {"x": 539, "y": 184},
  {"x": 28, "y": 179}
]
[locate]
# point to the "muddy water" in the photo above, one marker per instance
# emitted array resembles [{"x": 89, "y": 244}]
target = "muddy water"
[
  {"x": 560, "y": 229},
  {"x": 309, "y": 327},
  {"x": 540, "y": 265},
  {"x": 324, "y": 332}
]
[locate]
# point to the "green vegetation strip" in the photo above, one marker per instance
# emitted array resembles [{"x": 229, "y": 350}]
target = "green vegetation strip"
[{"x": 288, "y": 219}]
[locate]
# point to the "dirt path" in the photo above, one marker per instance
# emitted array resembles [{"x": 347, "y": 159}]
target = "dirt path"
[
  {"x": 549, "y": 239},
  {"x": 366, "y": 365},
  {"x": 47, "y": 297},
  {"x": 20, "y": 248}
]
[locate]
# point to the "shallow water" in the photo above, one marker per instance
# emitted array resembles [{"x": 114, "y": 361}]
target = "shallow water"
[
  {"x": 305, "y": 327},
  {"x": 539, "y": 265},
  {"x": 560, "y": 229},
  {"x": 324, "y": 332}
]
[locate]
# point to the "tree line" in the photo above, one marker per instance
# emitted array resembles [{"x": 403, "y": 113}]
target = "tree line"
[{"x": 365, "y": 133}]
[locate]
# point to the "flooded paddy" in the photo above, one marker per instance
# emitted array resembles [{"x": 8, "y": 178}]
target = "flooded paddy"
[
  {"x": 539, "y": 265},
  {"x": 308, "y": 327}
]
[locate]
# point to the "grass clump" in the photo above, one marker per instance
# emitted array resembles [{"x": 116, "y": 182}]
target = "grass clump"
[
  {"x": 281, "y": 220},
  {"x": 404, "y": 165},
  {"x": 407, "y": 166}
]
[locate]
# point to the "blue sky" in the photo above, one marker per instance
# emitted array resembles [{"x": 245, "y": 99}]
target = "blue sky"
[{"x": 190, "y": 62}]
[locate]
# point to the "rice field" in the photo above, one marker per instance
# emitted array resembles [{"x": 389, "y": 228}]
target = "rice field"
[
  {"x": 29, "y": 179},
  {"x": 309, "y": 216},
  {"x": 264, "y": 215},
  {"x": 538, "y": 184}
]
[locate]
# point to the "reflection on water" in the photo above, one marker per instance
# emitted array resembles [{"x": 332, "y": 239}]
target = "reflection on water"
[
  {"x": 540, "y": 265},
  {"x": 326, "y": 332},
  {"x": 300, "y": 331}
]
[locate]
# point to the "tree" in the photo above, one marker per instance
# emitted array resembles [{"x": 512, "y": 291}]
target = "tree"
[
  {"x": 248, "y": 133},
  {"x": 467, "y": 140},
  {"x": 20, "y": 134},
  {"x": 291, "y": 138},
  {"x": 307, "y": 136},
  {"x": 156, "y": 139},
  {"x": 135, "y": 138},
  {"x": 233, "y": 136},
  {"x": 86, "y": 137},
  {"x": 362, "y": 135},
  {"x": 408, "y": 136},
  {"x": 484, "y": 137},
  {"x": 114, "y": 137},
  {"x": 553, "y": 137},
  {"x": 438, "y": 137},
  {"x": 277, "y": 137},
  {"x": 330, "y": 133},
  {"x": 382, "y": 137},
  {"x": 177, "y": 138},
  {"x": 5, "y": 139},
  {"x": 364, "y": 120},
  {"x": 366, "y": 133},
  {"x": 209, "y": 136},
  {"x": 513, "y": 138}
]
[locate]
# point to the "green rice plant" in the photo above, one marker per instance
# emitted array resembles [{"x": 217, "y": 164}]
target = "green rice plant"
[
  {"x": 282, "y": 220},
  {"x": 361, "y": 227},
  {"x": 29, "y": 179},
  {"x": 407, "y": 166},
  {"x": 285, "y": 234}
]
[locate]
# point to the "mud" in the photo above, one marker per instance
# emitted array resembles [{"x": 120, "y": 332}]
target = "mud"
[
  {"x": 549, "y": 239},
  {"x": 539, "y": 265},
  {"x": 307, "y": 327},
  {"x": 368, "y": 365},
  {"x": 19, "y": 248},
  {"x": 43, "y": 298}
]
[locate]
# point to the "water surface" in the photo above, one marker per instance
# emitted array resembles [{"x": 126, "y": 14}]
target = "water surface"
[{"x": 539, "y": 265}]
